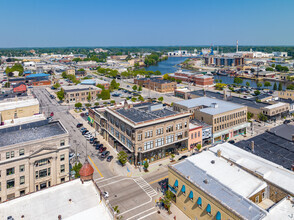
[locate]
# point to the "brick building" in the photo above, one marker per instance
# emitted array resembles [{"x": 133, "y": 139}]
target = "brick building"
[
  {"x": 156, "y": 84},
  {"x": 80, "y": 93}
]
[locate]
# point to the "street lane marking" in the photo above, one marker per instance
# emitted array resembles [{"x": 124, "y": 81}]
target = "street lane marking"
[
  {"x": 147, "y": 215},
  {"x": 98, "y": 180},
  {"x": 136, "y": 207},
  {"x": 114, "y": 182},
  {"x": 155, "y": 181},
  {"x": 95, "y": 166},
  {"x": 140, "y": 213},
  {"x": 146, "y": 187}
]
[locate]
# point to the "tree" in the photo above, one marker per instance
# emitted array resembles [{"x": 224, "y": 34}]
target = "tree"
[
  {"x": 269, "y": 69},
  {"x": 249, "y": 115},
  {"x": 7, "y": 85},
  {"x": 247, "y": 84},
  {"x": 112, "y": 101},
  {"x": 160, "y": 99},
  {"x": 60, "y": 94},
  {"x": 220, "y": 86},
  {"x": 216, "y": 81},
  {"x": 140, "y": 98},
  {"x": 259, "y": 85},
  {"x": 64, "y": 75},
  {"x": 100, "y": 86},
  {"x": 280, "y": 87},
  {"x": 77, "y": 168},
  {"x": 114, "y": 85},
  {"x": 122, "y": 157},
  {"x": 262, "y": 117},
  {"x": 89, "y": 97},
  {"x": 198, "y": 146},
  {"x": 96, "y": 103},
  {"x": 238, "y": 80},
  {"x": 290, "y": 87},
  {"x": 165, "y": 76},
  {"x": 56, "y": 85},
  {"x": 88, "y": 105},
  {"x": 146, "y": 165},
  {"x": 78, "y": 105},
  {"x": 140, "y": 88},
  {"x": 134, "y": 87},
  {"x": 275, "y": 86},
  {"x": 133, "y": 99},
  {"x": 104, "y": 95},
  {"x": 257, "y": 92},
  {"x": 267, "y": 84}
]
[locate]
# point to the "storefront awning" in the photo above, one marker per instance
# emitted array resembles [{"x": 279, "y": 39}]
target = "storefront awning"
[
  {"x": 191, "y": 194},
  {"x": 218, "y": 216},
  {"x": 208, "y": 208},
  {"x": 244, "y": 125},
  {"x": 199, "y": 201},
  {"x": 176, "y": 183},
  {"x": 183, "y": 189}
]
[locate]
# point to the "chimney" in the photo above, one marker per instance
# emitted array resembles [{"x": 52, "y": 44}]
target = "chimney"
[
  {"x": 252, "y": 146},
  {"x": 225, "y": 94},
  {"x": 126, "y": 105},
  {"x": 293, "y": 137},
  {"x": 219, "y": 153}
]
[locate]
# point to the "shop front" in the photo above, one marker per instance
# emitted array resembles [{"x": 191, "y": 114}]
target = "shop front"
[{"x": 163, "y": 152}]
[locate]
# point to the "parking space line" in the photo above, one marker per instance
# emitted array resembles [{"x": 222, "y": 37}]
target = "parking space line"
[{"x": 95, "y": 166}]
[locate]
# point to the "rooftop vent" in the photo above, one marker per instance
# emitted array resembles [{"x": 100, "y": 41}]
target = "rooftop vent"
[
  {"x": 213, "y": 162},
  {"x": 219, "y": 153},
  {"x": 205, "y": 181},
  {"x": 214, "y": 105}
]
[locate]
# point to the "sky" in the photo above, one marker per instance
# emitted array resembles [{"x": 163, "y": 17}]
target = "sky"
[{"x": 64, "y": 23}]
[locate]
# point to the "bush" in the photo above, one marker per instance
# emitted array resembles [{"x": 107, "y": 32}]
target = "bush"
[
  {"x": 160, "y": 99},
  {"x": 88, "y": 105},
  {"x": 122, "y": 157},
  {"x": 96, "y": 103},
  {"x": 78, "y": 105},
  {"x": 112, "y": 101}
]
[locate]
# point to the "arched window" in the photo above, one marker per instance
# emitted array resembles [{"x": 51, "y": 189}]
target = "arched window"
[
  {"x": 208, "y": 209},
  {"x": 218, "y": 216},
  {"x": 191, "y": 195},
  {"x": 176, "y": 184}
]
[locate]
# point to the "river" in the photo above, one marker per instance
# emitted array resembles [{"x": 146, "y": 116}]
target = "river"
[{"x": 171, "y": 65}]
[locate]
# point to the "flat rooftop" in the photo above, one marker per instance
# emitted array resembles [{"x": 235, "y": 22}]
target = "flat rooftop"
[
  {"x": 79, "y": 88},
  {"x": 218, "y": 190},
  {"x": 207, "y": 103},
  {"x": 231, "y": 99},
  {"x": 7, "y": 105},
  {"x": 146, "y": 112},
  {"x": 271, "y": 147},
  {"x": 270, "y": 171},
  {"x": 50, "y": 203},
  {"x": 285, "y": 131},
  {"x": 30, "y": 132},
  {"x": 277, "y": 105}
]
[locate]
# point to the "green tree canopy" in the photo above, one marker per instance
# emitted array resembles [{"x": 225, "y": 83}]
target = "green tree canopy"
[
  {"x": 60, "y": 94},
  {"x": 134, "y": 87},
  {"x": 267, "y": 84},
  {"x": 262, "y": 117},
  {"x": 238, "y": 80},
  {"x": 247, "y": 84},
  {"x": 259, "y": 85},
  {"x": 104, "y": 95},
  {"x": 257, "y": 92},
  {"x": 56, "y": 85},
  {"x": 140, "y": 88},
  {"x": 89, "y": 97},
  {"x": 249, "y": 115},
  {"x": 78, "y": 105},
  {"x": 77, "y": 168},
  {"x": 275, "y": 86},
  {"x": 280, "y": 87},
  {"x": 122, "y": 157},
  {"x": 100, "y": 86},
  {"x": 114, "y": 85},
  {"x": 141, "y": 98},
  {"x": 160, "y": 99}
]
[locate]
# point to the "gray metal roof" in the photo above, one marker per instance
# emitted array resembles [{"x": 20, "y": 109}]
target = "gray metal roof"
[
  {"x": 272, "y": 147},
  {"x": 29, "y": 132},
  {"x": 242, "y": 206},
  {"x": 222, "y": 106}
]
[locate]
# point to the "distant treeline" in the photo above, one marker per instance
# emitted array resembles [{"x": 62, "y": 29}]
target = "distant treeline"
[{"x": 126, "y": 50}]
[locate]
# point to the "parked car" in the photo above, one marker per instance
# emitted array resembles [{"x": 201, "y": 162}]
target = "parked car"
[
  {"x": 231, "y": 141},
  {"x": 82, "y": 114},
  {"x": 83, "y": 129},
  {"x": 183, "y": 157},
  {"x": 84, "y": 109},
  {"x": 109, "y": 158},
  {"x": 85, "y": 132},
  {"x": 95, "y": 143},
  {"x": 79, "y": 125},
  {"x": 98, "y": 146},
  {"x": 105, "y": 195},
  {"x": 87, "y": 114},
  {"x": 286, "y": 121},
  {"x": 105, "y": 154},
  {"x": 102, "y": 149}
]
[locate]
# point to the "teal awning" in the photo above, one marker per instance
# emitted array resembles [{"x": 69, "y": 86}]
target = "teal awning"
[
  {"x": 183, "y": 189},
  {"x": 199, "y": 201},
  {"x": 176, "y": 183},
  {"x": 218, "y": 216},
  {"x": 191, "y": 194},
  {"x": 208, "y": 208}
]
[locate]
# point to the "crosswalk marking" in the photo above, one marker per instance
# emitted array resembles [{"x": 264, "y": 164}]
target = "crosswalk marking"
[{"x": 145, "y": 186}]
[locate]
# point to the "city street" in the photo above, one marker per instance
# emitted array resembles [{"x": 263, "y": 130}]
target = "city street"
[{"x": 135, "y": 196}]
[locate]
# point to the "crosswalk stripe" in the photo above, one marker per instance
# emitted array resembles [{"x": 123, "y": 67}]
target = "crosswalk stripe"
[{"x": 145, "y": 186}]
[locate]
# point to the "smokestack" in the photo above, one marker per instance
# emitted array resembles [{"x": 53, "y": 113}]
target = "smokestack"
[
  {"x": 237, "y": 47},
  {"x": 252, "y": 146}
]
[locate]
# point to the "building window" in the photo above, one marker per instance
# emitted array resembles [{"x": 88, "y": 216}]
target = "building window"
[
  {"x": 21, "y": 168},
  {"x": 129, "y": 144},
  {"x": 12, "y": 154},
  {"x": 7, "y": 155},
  {"x": 123, "y": 139},
  {"x": 169, "y": 139},
  {"x": 22, "y": 180},
  {"x": 117, "y": 134},
  {"x": 10, "y": 183},
  {"x": 198, "y": 133},
  {"x": 179, "y": 126},
  {"x": 257, "y": 199},
  {"x": 148, "y": 134},
  {"x": 169, "y": 129},
  {"x": 21, "y": 152},
  {"x": 62, "y": 157},
  {"x": 192, "y": 136},
  {"x": 22, "y": 192},
  {"x": 159, "y": 131},
  {"x": 159, "y": 142},
  {"x": 10, "y": 171},
  {"x": 42, "y": 162},
  {"x": 37, "y": 175},
  {"x": 62, "y": 143},
  {"x": 62, "y": 168},
  {"x": 186, "y": 124},
  {"x": 148, "y": 145},
  {"x": 139, "y": 137},
  {"x": 62, "y": 180}
]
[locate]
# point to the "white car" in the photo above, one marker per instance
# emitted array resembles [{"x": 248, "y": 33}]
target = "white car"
[{"x": 105, "y": 194}]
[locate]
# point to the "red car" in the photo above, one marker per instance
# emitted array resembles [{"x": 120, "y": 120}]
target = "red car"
[{"x": 102, "y": 149}]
